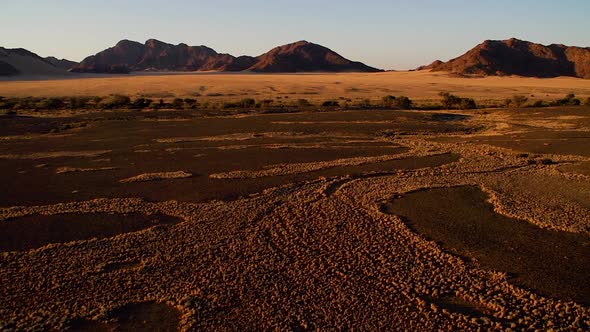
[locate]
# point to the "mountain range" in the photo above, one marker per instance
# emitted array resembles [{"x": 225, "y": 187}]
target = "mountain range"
[
  {"x": 154, "y": 55},
  {"x": 518, "y": 57},
  {"x": 18, "y": 61},
  {"x": 490, "y": 58}
]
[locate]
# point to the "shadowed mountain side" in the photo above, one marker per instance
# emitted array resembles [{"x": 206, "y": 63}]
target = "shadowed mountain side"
[
  {"x": 61, "y": 63},
  {"x": 517, "y": 57},
  {"x": 20, "y": 61},
  {"x": 154, "y": 55}
]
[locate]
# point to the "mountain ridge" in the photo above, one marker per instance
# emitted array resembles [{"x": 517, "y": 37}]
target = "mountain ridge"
[
  {"x": 518, "y": 57},
  {"x": 302, "y": 56}
]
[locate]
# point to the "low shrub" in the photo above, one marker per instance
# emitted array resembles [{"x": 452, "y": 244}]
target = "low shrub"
[
  {"x": 50, "y": 104},
  {"x": 450, "y": 101},
  {"x": 569, "y": 100},
  {"x": 177, "y": 103},
  {"x": 303, "y": 103},
  {"x": 519, "y": 100},
  {"x": 403, "y": 102},
  {"x": 141, "y": 103},
  {"x": 115, "y": 101},
  {"x": 330, "y": 103}
]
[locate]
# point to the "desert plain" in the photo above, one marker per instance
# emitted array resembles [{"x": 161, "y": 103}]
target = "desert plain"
[{"x": 306, "y": 219}]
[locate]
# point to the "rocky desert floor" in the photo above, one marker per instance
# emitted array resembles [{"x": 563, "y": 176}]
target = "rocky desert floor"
[{"x": 367, "y": 220}]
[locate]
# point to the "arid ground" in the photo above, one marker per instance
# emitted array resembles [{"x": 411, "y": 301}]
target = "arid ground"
[
  {"x": 421, "y": 86},
  {"x": 366, "y": 219}
]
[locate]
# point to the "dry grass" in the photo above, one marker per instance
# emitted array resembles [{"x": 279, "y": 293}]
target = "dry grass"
[{"x": 421, "y": 86}]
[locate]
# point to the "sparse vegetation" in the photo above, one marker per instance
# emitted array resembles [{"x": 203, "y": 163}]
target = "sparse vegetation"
[
  {"x": 519, "y": 100},
  {"x": 177, "y": 103},
  {"x": 303, "y": 103},
  {"x": 450, "y": 101},
  {"x": 569, "y": 100},
  {"x": 115, "y": 101},
  {"x": 141, "y": 103},
  {"x": 330, "y": 103}
]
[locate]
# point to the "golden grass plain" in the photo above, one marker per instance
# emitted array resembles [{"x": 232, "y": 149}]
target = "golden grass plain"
[{"x": 423, "y": 86}]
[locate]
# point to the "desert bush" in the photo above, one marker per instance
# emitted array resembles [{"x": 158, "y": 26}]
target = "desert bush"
[
  {"x": 569, "y": 100},
  {"x": 403, "y": 102},
  {"x": 519, "y": 100},
  {"x": 364, "y": 103},
  {"x": 540, "y": 103},
  {"x": 330, "y": 103},
  {"x": 303, "y": 103},
  {"x": 78, "y": 102},
  {"x": 49, "y": 104},
  {"x": 587, "y": 101},
  {"x": 247, "y": 103},
  {"x": 114, "y": 101},
  {"x": 387, "y": 101},
  {"x": 467, "y": 104},
  {"x": 141, "y": 103},
  {"x": 449, "y": 101},
  {"x": 190, "y": 102},
  {"x": 177, "y": 103}
]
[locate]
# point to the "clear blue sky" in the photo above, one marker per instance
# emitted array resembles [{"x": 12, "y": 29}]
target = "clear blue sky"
[{"x": 386, "y": 34}]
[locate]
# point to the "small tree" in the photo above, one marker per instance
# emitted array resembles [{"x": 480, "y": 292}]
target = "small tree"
[{"x": 519, "y": 100}]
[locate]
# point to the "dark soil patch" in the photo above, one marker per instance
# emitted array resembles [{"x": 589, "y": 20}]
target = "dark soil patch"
[
  {"x": 39, "y": 230},
  {"x": 147, "y": 316},
  {"x": 550, "y": 262}
]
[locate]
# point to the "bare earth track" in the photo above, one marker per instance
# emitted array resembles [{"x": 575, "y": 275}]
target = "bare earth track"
[{"x": 276, "y": 222}]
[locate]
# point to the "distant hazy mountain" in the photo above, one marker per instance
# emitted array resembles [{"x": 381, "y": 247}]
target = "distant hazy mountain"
[
  {"x": 517, "y": 57},
  {"x": 18, "y": 61},
  {"x": 129, "y": 56}
]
